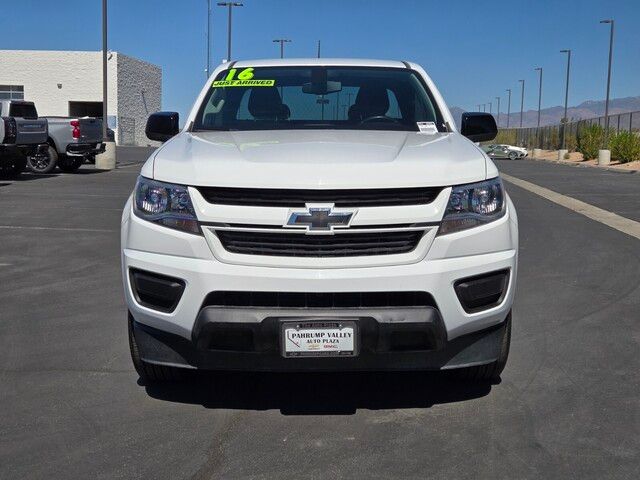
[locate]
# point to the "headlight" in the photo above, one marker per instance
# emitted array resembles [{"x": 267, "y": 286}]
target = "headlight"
[
  {"x": 165, "y": 204},
  {"x": 472, "y": 205}
]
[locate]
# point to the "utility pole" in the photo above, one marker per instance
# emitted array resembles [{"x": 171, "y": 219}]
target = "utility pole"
[
  {"x": 478, "y": 107},
  {"x": 498, "y": 121},
  {"x": 539, "y": 69},
  {"x": 318, "y": 48},
  {"x": 521, "y": 102},
  {"x": 230, "y": 6},
  {"x": 208, "y": 38},
  {"x": 606, "y": 105},
  {"x": 490, "y": 106},
  {"x": 508, "y": 107},
  {"x": 104, "y": 70},
  {"x": 566, "y": 98},
  {"x": 282, "y": 41}
]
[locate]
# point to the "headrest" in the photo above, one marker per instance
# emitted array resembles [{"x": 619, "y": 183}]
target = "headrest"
[{"x": 265, "y": 103}]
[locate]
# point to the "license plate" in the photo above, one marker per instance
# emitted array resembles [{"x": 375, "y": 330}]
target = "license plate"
[{"x": 319, "y": 339}]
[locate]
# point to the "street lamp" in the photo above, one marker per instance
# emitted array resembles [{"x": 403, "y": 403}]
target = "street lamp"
[
  {"x": 208, "y": 38},
  {"x": 282, "y": 41},
  {"x": 104, "y": 70},
  {"x": 606, "y": 104},
  {"x": 498, "y": 121},
  {"x": 508, "y": 107},
  {"x": 490, "y": 106},
  {"x": 521, "y": 102},
  {"x": 566, "y": 98},
  {"x": 230, "y": 6},
  {"x": 539, "y": 69}
]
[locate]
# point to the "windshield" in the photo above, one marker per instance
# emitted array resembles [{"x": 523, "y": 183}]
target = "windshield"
[{"x": 279, "y": 98}]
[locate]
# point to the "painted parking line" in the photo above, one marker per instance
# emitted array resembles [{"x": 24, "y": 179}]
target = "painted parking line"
[{"x": 622, "y": 224}]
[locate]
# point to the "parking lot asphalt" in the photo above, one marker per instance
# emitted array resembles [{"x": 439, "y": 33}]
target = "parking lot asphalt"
[{"x": 568, "y": 406}]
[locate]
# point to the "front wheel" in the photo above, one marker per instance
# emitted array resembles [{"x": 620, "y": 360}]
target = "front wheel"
[
  {"x": 491, "y": 371},
  {"x": 513, "y": 156},
  {"x": 149, "y": 372},
  {"x": 43, "y": 162}
]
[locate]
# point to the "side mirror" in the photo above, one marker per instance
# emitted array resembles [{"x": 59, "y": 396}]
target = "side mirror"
[
  {"x": 478, "y": 126},
  {"x": 161, "y": 126}
]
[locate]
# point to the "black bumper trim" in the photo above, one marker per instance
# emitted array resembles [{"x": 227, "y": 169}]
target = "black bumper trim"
[{"x": 262, "y": 352}]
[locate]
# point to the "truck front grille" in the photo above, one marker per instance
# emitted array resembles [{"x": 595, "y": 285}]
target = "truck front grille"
[
  {"x": 339, "y": 245},
  {"x": 276, "y": 197}
]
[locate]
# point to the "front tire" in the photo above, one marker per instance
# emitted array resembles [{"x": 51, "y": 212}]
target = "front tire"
[
  {"x": 491, "y": 371},
  {"x": 513, "y": 156},
  {"x": 43, "y": 163},
  {"x": 150, "y": 373}
]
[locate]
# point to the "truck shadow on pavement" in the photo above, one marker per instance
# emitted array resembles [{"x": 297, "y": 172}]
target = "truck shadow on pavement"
[{"x": 319, "y": 393}]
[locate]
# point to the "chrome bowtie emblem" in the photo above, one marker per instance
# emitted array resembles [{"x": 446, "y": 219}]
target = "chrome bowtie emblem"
[{"x": 320, "y": 218}]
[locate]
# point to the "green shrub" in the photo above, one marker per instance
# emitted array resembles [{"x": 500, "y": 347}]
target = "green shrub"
[
  {"x": 590, "y": 140},
  {"x": 567, "y": 156},
  {"x": 625, "y": 147},
  {"x": 507, "y": 137},
  {"x": 571, "y": 142}
]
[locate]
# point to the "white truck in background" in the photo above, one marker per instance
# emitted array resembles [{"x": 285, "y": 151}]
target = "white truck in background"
[{"x": 22, "y": 134}]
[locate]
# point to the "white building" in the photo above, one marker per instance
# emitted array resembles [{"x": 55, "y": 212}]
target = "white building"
[{"x": 70, "y": 84}]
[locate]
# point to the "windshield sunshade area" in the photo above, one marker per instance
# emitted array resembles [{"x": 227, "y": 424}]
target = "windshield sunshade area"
[{"x": 286, "y": 98}]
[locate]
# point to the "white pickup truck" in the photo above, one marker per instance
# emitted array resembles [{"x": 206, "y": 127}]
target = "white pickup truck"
[
  {"x": 319, "y": 214},
  {"x": 22, "y": 134}
]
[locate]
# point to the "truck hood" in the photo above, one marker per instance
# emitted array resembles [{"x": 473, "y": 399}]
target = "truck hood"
[{"x": 319, "y": 159}]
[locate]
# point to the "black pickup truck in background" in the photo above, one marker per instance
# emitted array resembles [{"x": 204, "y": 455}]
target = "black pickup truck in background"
[{"x": 22, "y": 134}]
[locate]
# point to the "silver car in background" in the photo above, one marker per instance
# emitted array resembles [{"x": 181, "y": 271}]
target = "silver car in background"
[{"x": 505, "y": 151}]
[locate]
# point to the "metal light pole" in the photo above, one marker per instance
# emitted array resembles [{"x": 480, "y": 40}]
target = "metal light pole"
[
  {"x": 566, "y": 98},
  {"x": 606, "y": 104},
  {"x": 282, "y": 41},
  {"x": 521, "y": 102},
  {"x": 478, "y": 107},
  {"x": 490, "y": 106},
  {"x": 104, "y": 70},
  {"x": 208, "y": 37},
  {"x": 318, "y": 48},
  {"x": 498, "y": 121},
  {"x": 508, "y": 107},
  {"x": 230, "y": 6},
  {"x": 539, "y": 69}
]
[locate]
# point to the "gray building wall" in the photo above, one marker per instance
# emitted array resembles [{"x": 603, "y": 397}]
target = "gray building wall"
[{"x": 139, "y": 95}]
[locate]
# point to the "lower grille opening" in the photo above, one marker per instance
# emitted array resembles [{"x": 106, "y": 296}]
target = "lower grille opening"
[
  {"x": 156, "y": 291},
  {"x": 482, "y": 291},
  {"x": 288, "y": 244},
  {"x": 319, "y": 299}
]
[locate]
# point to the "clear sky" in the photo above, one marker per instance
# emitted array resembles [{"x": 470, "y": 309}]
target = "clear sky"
[{"x": 474, "y": 50}]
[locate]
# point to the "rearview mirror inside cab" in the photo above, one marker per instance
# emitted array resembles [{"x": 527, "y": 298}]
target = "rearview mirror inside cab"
[
  {"x": 478, "y": 126},
  {"x": 161, "y": 126}
]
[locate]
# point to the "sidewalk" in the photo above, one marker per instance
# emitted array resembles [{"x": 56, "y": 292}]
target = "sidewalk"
[
  {"x": 605, "y": 189},
  {"x": 575, "y": 159}
]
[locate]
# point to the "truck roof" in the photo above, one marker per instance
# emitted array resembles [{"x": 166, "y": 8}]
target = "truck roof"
[{"x": 347, "y": 62}]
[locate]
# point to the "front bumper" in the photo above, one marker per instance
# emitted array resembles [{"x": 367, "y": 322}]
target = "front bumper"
[{"x": 183, "y": 336}]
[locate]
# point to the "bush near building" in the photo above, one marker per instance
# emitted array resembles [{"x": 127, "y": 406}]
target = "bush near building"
[
  {"x": 625, "y": 147},
  {"x": 590, "y": 140}
]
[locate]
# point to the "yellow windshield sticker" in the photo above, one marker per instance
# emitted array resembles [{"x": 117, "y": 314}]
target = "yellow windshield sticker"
[
  {"x": 243, "y": 83},
  {"x": 244, "y": 79}
]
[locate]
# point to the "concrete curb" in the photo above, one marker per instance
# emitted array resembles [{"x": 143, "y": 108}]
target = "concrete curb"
[{"x": 584, "y": 165}]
